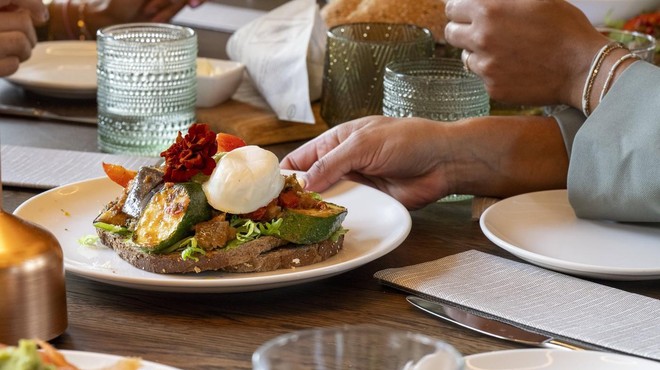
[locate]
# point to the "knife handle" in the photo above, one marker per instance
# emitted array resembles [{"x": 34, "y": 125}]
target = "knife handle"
[{"x": 554, "y": 343}]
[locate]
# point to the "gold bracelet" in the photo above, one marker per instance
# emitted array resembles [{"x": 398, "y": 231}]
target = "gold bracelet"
[
  {"x": 83, "y": 32},
  {"x": 610, "y": 75},
  {"x": 593, "y": 72}
]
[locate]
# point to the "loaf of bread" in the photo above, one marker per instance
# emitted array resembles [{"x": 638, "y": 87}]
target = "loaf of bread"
[{"x": 424, "y": 13}]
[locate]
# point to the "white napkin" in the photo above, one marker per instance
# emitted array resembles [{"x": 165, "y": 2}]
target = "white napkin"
[
  {"x": 49, "y": 168},
  {"x": 283, "y": 52},
  {"x": 218, "y": 17},
  {"x": 546, "y": 301}
]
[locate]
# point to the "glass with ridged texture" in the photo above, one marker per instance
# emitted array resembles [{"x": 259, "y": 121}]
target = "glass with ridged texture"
[
  {"x": 355, "y": 61},
  {"x": 436, "y": 88},
  {"x": 146, "y": 86}
]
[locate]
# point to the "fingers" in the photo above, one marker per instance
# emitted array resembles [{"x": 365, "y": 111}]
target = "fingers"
[
  {"x": 14, "y": 48},
  {"x": 18, "y": 21},
  {"x": 38, "y": 11},
  {"x": 458, "y": 11}
]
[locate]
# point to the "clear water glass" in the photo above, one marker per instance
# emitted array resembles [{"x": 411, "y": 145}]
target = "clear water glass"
[
  {"x": 638, "y": 43},
  {"x": 355, "y": 62},
  {"x": 435, "y": 88},
  {"x": 146, "y": 86},
  {"x": 360, "y": 347}
]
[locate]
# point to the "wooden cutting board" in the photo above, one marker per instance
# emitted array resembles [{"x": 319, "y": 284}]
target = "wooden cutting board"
[{"x": 258, "y": 125}]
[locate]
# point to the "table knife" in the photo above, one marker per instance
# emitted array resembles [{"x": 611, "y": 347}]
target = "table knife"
[
  {"x": 43, "y": 114},
  {"x": 488, "y": 326}
]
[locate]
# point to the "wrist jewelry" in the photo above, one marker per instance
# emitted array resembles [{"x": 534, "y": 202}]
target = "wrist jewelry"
[
  {"x": 83, "y": 32},
  {"x": 610, "y": 75},
  {"x": 593, "y": 72}
]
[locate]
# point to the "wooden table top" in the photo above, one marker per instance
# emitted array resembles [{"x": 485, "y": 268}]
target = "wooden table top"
[{"x": 221, "y": 331}]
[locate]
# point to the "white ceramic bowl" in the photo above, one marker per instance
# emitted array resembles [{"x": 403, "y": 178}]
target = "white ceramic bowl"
[
  {"x": 600, "y": 12},
  {"x": 217, "y": 80}
]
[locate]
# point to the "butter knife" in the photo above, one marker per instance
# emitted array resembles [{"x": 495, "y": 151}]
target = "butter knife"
[
  {"x": 43, "y": 114},
  {"x": 487, "y": 326}
]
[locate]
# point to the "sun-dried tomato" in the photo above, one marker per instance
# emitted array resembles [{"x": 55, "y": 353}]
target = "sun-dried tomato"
[
  {"x": 648, "y": 23},
  {"x": 191, "y": 154}
]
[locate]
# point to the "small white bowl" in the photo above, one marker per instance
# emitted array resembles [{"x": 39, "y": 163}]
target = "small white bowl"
[
  {"x": 217, "y": 80},
  {"x": 600, "y": 12}
]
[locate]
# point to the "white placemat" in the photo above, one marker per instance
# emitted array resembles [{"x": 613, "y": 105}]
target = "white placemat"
[
  {"x": 49, "y": 168},
  {"x": 546, "y": 301}
]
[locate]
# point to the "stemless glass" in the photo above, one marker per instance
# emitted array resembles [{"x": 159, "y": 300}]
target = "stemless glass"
[
  {"x": 435, "y": 88},
  {"x": 146, "y": 86},
  {"x": 638, "y": 43},
  {"x": 361, "y": 347},
  {"x": 355, "y": 61}
]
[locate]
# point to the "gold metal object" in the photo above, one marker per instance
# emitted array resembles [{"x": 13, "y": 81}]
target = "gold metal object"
[{"x": 32, "y": 291}]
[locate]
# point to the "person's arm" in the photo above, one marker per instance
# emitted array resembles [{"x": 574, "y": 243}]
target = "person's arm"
[
  {"x": 419, "y": 161},
  {"x": 615, "y": 161},
  {"x": 80, "y": 19}
]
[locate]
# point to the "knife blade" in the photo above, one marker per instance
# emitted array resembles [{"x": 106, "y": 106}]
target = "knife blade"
[
  {"x": 488, "y": 326},
  {"x": 43, "y": 114}
]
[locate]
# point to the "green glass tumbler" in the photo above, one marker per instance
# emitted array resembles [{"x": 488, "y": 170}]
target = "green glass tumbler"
[{"x": 355, "y": 62}]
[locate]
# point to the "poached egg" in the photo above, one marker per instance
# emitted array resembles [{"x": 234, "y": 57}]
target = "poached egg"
[{"x": 244, "y": 180}]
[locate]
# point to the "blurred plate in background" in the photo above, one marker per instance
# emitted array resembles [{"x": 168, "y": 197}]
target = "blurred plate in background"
[{"x": 63, "y": 69}]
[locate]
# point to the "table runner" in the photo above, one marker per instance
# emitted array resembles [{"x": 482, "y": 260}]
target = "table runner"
[
  {"x": 49, "y": 168},
  {"x": 545, "y": 301}
]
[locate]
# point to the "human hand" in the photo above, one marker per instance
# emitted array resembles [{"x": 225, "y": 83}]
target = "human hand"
[
  {"x": 101, "y": 13},
  {"x": 17, "y": 34},
  {"x": 406, "y": 158},
  {"x": 527, "y": 52}
]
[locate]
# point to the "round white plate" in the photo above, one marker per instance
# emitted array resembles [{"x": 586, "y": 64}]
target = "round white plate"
[
  {"x": 64, "y": 69},
  {"x": 542, "y": 228},
  {"x": 376, "y": 222},
  {"x": 93, "y": 361},
  {"x": 555, "y": 359}
]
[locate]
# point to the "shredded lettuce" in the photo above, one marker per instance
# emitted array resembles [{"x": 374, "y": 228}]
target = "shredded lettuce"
[
  {"x": 190, "y": 249},
  {"x": 248, "y": 230},
  {"x": 88, "y": 240},
  {"x": 112, "y": 228},
  {"x": 335, "y": 236}
]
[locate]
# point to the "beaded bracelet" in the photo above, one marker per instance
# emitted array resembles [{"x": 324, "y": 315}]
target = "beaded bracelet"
[
  {"x": 83, "y": 33},
  {"x": 610, "y": 75},
  {"x": 593, "y": 72}
]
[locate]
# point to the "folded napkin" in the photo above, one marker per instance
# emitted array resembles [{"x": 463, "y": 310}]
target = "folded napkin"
[
  {"x": 545, "y": 301},
  {"x": 48, "y": 168},
  {"x": 283, "y": 52}
]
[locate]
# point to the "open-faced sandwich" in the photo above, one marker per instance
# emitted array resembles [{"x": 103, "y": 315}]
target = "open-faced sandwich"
[{"x": 217, "y": 204}]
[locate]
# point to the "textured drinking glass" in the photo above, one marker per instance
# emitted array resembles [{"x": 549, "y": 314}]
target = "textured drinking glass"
[
  {"x": 146, "y": 86},
  {"x": 356, "y": 347},
  {"x": 435, "y": 88},
  {"x": 355, "y": 61},
  {"x": 640, "y": 44}
]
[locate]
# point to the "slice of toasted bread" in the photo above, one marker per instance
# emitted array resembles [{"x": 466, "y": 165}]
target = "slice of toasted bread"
[{"x": 263, "y": 254}]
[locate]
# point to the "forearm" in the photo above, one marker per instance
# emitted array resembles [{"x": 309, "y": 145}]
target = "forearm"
[{"x": 504, "y": 156}]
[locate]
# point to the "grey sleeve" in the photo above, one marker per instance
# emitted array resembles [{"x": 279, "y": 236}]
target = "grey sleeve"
[
  {"x": 569, "y": 121},
  {"x": 614, "y": 170}
]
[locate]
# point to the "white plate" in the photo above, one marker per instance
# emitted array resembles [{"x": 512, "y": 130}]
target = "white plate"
[
  {"x": 377, "y": 224},
  {"x": 556, "y": 359},
  {"x": 65, "y": 69},
  {"x": 93, "y": 361},
  {"x": 542, "y": 228}
]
